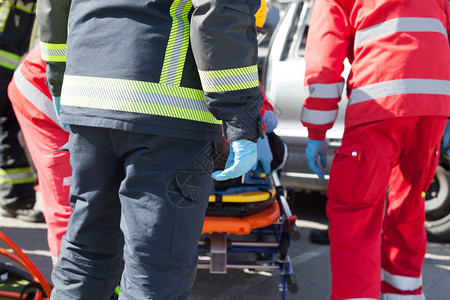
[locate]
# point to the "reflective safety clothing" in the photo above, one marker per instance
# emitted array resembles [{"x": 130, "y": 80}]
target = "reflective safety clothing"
[
  {"x": 397, "y": 50},
  {"x": 145, "y": 87},
  {"x": 43, "y": 135},
  {"x": 146, "y": 79},
  {"x": 17, "y": 177}
]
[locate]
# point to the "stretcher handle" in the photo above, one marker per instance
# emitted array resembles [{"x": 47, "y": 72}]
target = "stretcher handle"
[{"x": 291, "y": 228}]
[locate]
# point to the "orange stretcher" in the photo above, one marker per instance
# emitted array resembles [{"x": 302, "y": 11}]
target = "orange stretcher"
[{"x": 253, "y": 217}]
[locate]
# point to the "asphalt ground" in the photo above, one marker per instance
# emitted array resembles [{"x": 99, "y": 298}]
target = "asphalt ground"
[{"x": 310, "y": 262}]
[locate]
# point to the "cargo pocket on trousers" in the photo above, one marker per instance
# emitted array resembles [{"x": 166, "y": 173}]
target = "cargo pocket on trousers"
[
  {"x": 189, "y": 194},
  {"x": 343, "y": 172}
]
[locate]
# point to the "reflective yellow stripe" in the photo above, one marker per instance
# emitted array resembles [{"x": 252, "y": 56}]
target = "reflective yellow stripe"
[
  {"x": 26, "y": 7},
  {"x": 229, "y": 79},
  {"x": 137, "y": 97},
  {"x": 9, "y": 60},
  {"x": 53, "y": 52},
  {"x": 178, "y": 43},
  {"x": 4, "y": 12},
  {"x": 249, "y": 197},
  {"x": 17, "y": 176}
]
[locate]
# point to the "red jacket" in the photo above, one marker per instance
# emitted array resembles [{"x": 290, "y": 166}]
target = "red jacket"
[{"x": 400, "y": 56}]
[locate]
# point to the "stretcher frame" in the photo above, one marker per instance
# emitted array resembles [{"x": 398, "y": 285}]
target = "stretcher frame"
[
  {"x": 248, "y": 235},
  {"x": 39, "y": 286}
]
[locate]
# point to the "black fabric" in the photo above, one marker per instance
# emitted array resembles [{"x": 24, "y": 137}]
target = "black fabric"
[
  {"x": 278, "y": 150},
  {"x": 15, "y": 37},
  {"x": 12, "y": 154}
]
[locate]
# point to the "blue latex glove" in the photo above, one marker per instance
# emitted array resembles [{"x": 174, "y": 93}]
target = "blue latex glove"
[
  {"x": 270, "y": 120},
  {"x": 264, "y": 156},
  {"x": 314, "y": 150},
  {"x": 446, "y": 137},
  {"x": 240, "y": 160},
  {"x": 57, "y": 105}
]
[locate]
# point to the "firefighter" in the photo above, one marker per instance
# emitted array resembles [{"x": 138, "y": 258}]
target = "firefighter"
[
  {"x": 398, "y": 105},
  {"x": 145, "y": 88},
  {"x": 33, "y": 107},
  {"x": 17, "y": 177}
]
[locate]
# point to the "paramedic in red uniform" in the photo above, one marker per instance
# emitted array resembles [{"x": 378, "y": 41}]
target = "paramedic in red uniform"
[
  {"x": 33, "y": 107},
  {"x": 398, "y": 105}
]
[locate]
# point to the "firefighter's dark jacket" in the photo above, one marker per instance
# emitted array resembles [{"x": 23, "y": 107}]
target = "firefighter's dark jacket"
[
  {"x": 16, "y": 24},
  {"x": 172, "y": 68}
]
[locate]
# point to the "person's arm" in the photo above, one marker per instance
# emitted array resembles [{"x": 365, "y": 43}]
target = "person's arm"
[
  {"x": 327, "y": 45},
  {"x": 52, "y": 18},
  {"x": 223, "y": 36}
]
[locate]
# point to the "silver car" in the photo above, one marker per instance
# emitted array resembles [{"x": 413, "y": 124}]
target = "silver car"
[{"x": 282, "y": 75}]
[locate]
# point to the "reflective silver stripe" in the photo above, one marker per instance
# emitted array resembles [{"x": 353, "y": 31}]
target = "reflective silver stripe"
[
  {"x": 9, "y": 60},
  {"x": 127, "y": 95},
  {"x": 318, "y": 117},
  {"x": 402, "y": 297},
  {"x": 229, "y": 79},
  {"x": 178, "y": 43},
  {"x": 36, "y": 97},
  {"x": 136, "y": 96},
  {"x": 399, "y": 25},
  {"x": 399, "y": 87},
  {"x": 5, "y": 7},
  {"x": 325, "y": 90},
  {"x": 17, "y": 175},
  {"x": 403, "y": 283},
  {"x": 53, "y": 52},
  {"x": 26, "y": 7}
]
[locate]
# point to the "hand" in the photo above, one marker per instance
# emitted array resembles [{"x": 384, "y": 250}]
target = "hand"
[
  {"x": 313, "y": 150},
  {"x": 264, "y": 156},
  {"x": 446, "y": 137},
  {"x": 57, "y": 105},
  {"x": 270, "y": 120},
  {"x": 240, "y": 160}
]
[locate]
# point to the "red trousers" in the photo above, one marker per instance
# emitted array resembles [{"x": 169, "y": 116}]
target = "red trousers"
[
  {"x": 377, "y": 235},
  {"x": 43, "y": 136}
]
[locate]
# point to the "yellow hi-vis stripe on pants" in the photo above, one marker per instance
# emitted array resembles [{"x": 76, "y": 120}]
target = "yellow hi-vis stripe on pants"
[
  {"x": 17, "y": 176},
  {"x": 137, "y": 97}
]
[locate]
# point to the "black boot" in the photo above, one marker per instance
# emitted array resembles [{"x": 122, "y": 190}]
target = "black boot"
[
  {"x": 319, "y": 236},
  {"x": 24, "y": 214}
]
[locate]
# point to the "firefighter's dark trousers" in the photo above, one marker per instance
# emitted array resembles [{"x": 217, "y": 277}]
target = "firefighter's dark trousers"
[
  {"x": 138, "y": 204},
  {"x": 17, "y": 178}
]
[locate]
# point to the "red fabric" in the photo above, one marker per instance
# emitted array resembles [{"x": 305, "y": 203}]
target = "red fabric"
[
  {"x": 43, "y": 137},
  {"x": 385, "y": 58},
  {"x": 360, "y": 243},
  {"x": 265, "y": 106}
]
